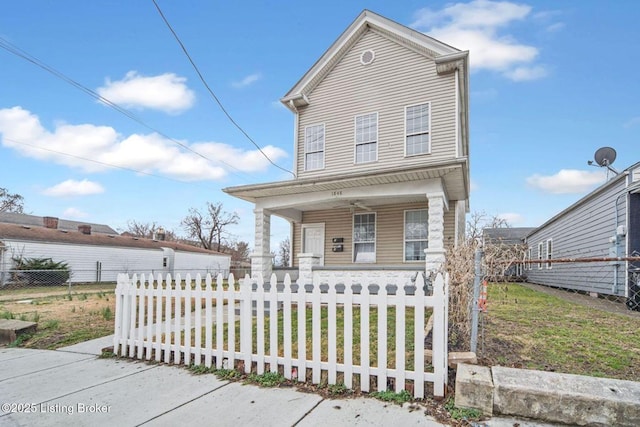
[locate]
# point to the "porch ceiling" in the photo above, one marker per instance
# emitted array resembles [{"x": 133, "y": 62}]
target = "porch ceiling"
[{"x": 453, "y": 177}]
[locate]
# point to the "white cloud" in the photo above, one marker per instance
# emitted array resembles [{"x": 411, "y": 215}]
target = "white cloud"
[
  {"x": 247, "y": 81},
  {"x": 475, "y": 26},
  {"x": 73, "y": 213},
  {"x": 166, "y": 92},
  {"x": 522, "y": 74},
  {"x": 245, "y": 161},
  {"x": 511, "y": 218},
  {"x": 568, "y": 181},
  {"x": 22, "y": 131},
  {"x": 72, "y": 187},
  {"x": 549, "y": 19},
  {"x": 634, "y": 121},
  {"x": 555, "y": 27}
]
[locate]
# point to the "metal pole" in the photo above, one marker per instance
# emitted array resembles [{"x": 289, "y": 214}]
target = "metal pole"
[{"x": 476, "y": 295}]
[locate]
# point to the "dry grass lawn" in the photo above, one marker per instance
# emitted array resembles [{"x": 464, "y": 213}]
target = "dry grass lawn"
[
  {"x": 63, "y": 318},
  {"x": 529, "y": 329}
]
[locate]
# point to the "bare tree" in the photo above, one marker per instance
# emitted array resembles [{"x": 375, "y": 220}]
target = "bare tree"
[
  {"x": 460, "y": 266},
  {"x": 239, "y": 252},
  {"x": 10, "y": 202},
  {"x": 149, "y": 230},
  {"x": 140, "y": 229},
  {"x": 209, "y": 228},
  {"x": 283, "y": 257}
]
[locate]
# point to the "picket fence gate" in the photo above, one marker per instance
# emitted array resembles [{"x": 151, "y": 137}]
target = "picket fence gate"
[{"x": 160, "y": 318}]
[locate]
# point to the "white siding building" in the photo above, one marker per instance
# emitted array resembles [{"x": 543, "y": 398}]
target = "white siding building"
[{"x": 100, "y": 257}]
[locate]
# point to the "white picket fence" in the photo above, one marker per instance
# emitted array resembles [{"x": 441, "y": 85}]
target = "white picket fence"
[{"x": 196, "y": 312}]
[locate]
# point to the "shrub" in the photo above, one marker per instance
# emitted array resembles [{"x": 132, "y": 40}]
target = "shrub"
[{"x": 41, "y": 271}]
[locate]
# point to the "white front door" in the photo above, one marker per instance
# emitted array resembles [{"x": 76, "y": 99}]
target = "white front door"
[{"x": 313, "y": 240}]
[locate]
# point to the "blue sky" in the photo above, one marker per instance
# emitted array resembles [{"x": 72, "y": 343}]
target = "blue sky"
[{"x": 551, "y": 82}]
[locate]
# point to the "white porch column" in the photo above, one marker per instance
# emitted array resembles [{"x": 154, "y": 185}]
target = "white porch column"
[
  {"x": 435, "y": 252},
  {"x": 261, "y": 258},
  {"x": 306, "y": 262}
]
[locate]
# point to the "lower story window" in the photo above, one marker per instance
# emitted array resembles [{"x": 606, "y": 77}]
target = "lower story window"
[
  {"x": 416, "y": 234},
  {"x": 364, "y": 237}
]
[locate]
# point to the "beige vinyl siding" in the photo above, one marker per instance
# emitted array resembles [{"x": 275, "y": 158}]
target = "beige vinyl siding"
[
  {"x": 389, "y": 233},
  {"x": 398, "y": 77},
  {"x": 450, "y": 225}
]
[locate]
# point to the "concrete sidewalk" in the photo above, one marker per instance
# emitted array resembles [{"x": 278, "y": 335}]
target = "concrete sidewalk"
[
  {"x": 51, "y": 388},
  {"x": 71, "y": 386}
]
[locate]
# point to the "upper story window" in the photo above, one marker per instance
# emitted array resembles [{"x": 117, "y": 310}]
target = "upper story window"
[
  {"x": 364, "y": 237},
  {"x": 416, "y": 234},
  {"x": 418, "y": 129},
  {"x": 367, "y": 138},
  {"x": 314, "y": 147}
]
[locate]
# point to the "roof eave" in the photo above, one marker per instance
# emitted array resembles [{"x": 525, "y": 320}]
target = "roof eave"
[{"x": 241, "y": 191}]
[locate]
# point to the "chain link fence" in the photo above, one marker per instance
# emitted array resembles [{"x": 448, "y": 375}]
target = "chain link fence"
[{"x": 25, "y": 279}]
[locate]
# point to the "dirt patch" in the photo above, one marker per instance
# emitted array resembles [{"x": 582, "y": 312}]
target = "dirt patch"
[{"x": 63, "y": 319}]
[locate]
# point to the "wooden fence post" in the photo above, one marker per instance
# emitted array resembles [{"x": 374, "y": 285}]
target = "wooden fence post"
[
  {"x": 246, "y": 321},
  {"x": 286, "y": 326},
  {"x": 439, "y": 336},
  {"x": 418, "y": 346},
  {"x": 121, "y": 286}
]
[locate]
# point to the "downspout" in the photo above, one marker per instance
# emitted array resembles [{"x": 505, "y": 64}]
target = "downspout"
[
  {"x": 291, "y": 231},
  {"x": 295, "y": 136},
  {"x": 457, "y": 91},
  {"x": 617, "y": 237}
]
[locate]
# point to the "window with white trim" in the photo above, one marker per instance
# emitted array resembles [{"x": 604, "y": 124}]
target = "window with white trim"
[
  {"x": 366, "y": 138},
  {"x": 540, "y": 251},
  {"x": 314, "y": 147},
  {"x": 364, "y": 237},
  {"x": 416, "y": 234},
  {"x": 418, "y": 129},
  {"x": 529, "y": 257},
  {"x": 549, "y": 253}
]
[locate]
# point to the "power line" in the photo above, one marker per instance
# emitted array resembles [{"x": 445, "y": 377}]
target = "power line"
[
  {"x": 111, "y": 165},
  {"x": 206, "y": 85},
  {"x": 6, "y": 45}
]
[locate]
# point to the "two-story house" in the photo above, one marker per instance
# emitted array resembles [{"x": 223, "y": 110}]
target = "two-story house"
[{"x": 381, "y": 155}]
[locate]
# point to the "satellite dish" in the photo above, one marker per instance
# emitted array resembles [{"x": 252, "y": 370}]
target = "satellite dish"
[{"x": 605, "y": 156}]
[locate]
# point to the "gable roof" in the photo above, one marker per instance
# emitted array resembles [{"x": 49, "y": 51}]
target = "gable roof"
[
  {"x": 507, "y": 235},
  {"x": 48, "y": 235},
  {"x": 410, "y": 38},
  {"x": 63, "y": 224}
]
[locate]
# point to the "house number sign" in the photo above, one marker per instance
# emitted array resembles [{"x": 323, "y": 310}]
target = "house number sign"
[{"x": 336, "y": 193}]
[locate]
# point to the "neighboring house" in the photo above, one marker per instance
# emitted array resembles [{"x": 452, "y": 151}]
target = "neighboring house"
[
  {"x": 95, "y": 257},
  {"x": 381, "y": 152},
  {"x": 603, "y": 224},
  {"x": 53, "y": 222},
  {"x": 506, "y": 244}
]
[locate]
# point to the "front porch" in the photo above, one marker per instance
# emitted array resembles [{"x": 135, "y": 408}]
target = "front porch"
[{"x": 386, "y": 222}]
